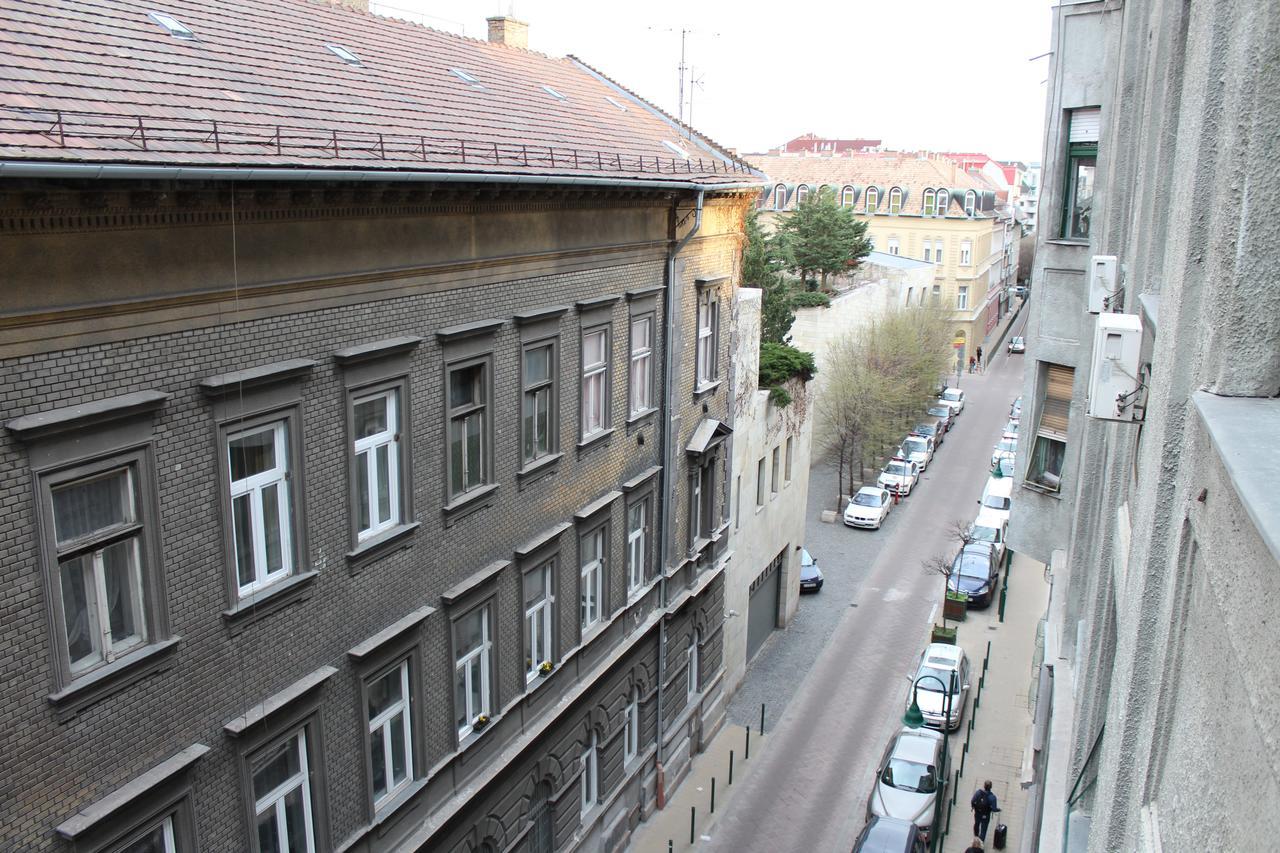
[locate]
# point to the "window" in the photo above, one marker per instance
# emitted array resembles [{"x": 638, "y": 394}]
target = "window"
[
  {"x": 962, "y": 298},
  {"x": 776, "y": 470},
  {"x": 693, "y": 679},
  {"x": 929, "y": 208},
  {"x": 910, "y": 290},
  {"x": 708, "y": 335},
  {"x": 937, "y": 295},
  {"x": 472, "y": 652},
  {"x": 261, "y": 525},
  {"x": 468, "y": 427},
  {"x": 970, "y": 202},
  {"x": 282, "y": 797},
  {"x": 966, "y": 253},
  {"x": 377, "y": 463},
  {"x": 928, "y": 251},
  {"x": 937, "y": 251},
  {"x": 595, "y": 382},
  {"x": 872, "y": 199},
  {"x": 895, "y": 201},
  {"x": 539, "y": 596},
  {"x": 641, "y": 364},
  {"x": 1082, "y": 159},
  {"x": 589, "y": 785},
  {"x": 155, "y": 839},
  {"x": 802, "y": 194},
  {"x": 701, "y": 502},
  {"x": 1045, "y": 467},
  {"x": 538, "y": 407},
  {"x": 175, "y": 27},
  {"x": 344, "y": 54},
  {"x": 631, "y": 727},
  {"x": 760, "y": 482},
  {"x": 542, "y": 834},
  {"x": 847, "y": 197},
  {"x": 637, "y": 546},
  {"x": 893, "y": 245},
  {"x": 390, "y": 733},
  {"x": 791, "y": 446},
  {"x": 780, "y": 197},
  {"x": 943, "y": 201},
  {"x": 591, "y": 580}
]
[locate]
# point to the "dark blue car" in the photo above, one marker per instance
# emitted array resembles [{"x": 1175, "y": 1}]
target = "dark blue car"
[{"x": 974, "y": 572}]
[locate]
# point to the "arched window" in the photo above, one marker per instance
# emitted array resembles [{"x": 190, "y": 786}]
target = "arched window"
[
  {"x": 895, "y": 201},
  {"x": 692, "y": 676},
  {"x": 847, "y": 197},
  {"x": 873, "y": 199},
  {"x": 780, "y": 197},
  {"x": 542, "y": 836},
  {"x": 802, "y": 193},
  {"x": 928, "y": 205},
  {"x": 970, "y": 202},
  {"x": 823, "y": 188},
  {"x": 944, "y": 201}
]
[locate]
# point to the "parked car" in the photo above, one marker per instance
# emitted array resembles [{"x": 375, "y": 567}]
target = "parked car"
[
  {"x": 989, "y": 527},
  {"x": 997, "y": 495},
  {"x": 942, "y": 412},
  {"x": 917, "y": 448},
  {"x": 1017, "y": 344},
  {"x": 1011, "y": 429},
  {"x": 1015, "y": 408},
  {"x": 929, "y": 430},
  {"x": 954, "y": 398},
  {"x": 911, "y": 779},
  {"x": 974, "y": 573},
  {"x": 941, "y": 661},
  {"x": 868, "y": 508},
  {"x": 890, "y": 835},
  {"x": 810, "y": 575},
  {"x": 899, "y": 476},
  {"x": 1006, "y": 448}
]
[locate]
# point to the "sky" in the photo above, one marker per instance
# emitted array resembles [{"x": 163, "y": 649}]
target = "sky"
[{"x": 942, "y": 75}]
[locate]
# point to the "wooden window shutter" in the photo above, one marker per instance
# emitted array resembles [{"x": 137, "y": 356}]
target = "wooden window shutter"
[{"x": 1057, "y": 400}]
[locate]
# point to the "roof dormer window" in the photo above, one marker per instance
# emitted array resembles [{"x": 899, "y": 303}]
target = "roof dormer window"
[
  {"x": 175, "y": 27},
  {"x": 344, "y": 54},
  {"x": 895, "y": 201},
  {"x": 970, "y": 202}
]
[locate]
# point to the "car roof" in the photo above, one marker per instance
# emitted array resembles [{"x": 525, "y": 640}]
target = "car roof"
[
  {"x": 989, "y": 519},
  {"x": 887, "y": 835},
  {"x": 870, "y": 490},
  {"x": 943, "y": 652},
  {"x": 918, "y": 745},
  {"x": 983, "y": 548},
  {"x": 999, "y": 486}
]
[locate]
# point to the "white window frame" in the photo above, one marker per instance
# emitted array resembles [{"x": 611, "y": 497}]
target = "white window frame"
[
  {"x": 780, "y": 197},
  {"x": 775, "y": 471},
  {"x": 895, "y": 201},
  {"x": 848, "y": 197},
  {"x": 252, "y": 487},
  {"x": 692, "y": 660},
  {"x": 530, "y": 395},
  {"x": 970, "y": 202},
  {"x": 928, "y": 205},
  {"x": 928, "y": 251},
  {"x": 458, "y": 417},
  {"x": 894, "y": 246},
  {"x": 380, "y": 735},
  {"x": 802, "y": 193},
  {"x": 591, "y": 579},
  {"x": 637, "y": 545},
  {"x": 708, "y": 336},
  {"x": 275, "y": 798},
  {"x": 871, "y": 200},
  {"x": 962, "y": 298},
  {"x": 631, "y": 727},
  {"x": 165, "y": 825},
  {"x": 938, "y": 246},
  {"x": 595, "y": 385},
  {"x": 589, "y": 787},
  {"x": 462, "y": 670},
  {"x": 539, "y": 626},
  {"x": 760, "y": 483},
  {"x": 789, "y": 458},
  {"x": 966, "y": 253},
  {"x": 942, "y": 201},
  {"x": 369, "y": 445},
  {"x": 641, "y": 366}
]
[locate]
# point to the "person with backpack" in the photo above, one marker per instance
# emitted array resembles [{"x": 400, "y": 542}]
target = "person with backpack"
[
  {"x": 983, "y": 803},
  {"x": 975, "y": 847}
]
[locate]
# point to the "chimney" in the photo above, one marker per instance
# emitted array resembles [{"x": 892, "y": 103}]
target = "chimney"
[{"x": 509, "y": 31}]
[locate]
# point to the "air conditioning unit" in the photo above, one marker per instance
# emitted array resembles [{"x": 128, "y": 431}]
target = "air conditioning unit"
[
  {"x": 1114, "y": 375},
  {"x": 1104, "y": 282}
]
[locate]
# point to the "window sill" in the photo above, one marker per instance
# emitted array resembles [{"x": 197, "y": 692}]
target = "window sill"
[
  {"x": 468, "y": 502},
  {"x": 595, "y": 439},
  {"x": 112, "y": 678},
  {"x": 390, "y": 807},
  {"x": 263, "y": 603},
  {"x": 1068, "y": 241},
  {"x": 466, "y": 741},
  {"x": 707, "y": 388},
  {"x": 538, "y": 468},
  {"x": 379, "y": 546},
  {"x": 641, "y": 418},
  {"x": 1043, "y": 490}
]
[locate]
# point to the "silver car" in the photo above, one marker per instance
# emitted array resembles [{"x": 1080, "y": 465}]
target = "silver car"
[
  {"x": 938, "y": 664},
  {"x": 911, "y": 778}
]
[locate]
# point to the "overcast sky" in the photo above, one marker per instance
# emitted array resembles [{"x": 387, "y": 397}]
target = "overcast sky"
[{"x": 946, "y": 75}]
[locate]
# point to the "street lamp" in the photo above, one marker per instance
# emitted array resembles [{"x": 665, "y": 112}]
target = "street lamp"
[{"x": 913, "y": 719}]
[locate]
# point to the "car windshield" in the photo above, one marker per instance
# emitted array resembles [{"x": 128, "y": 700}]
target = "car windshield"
[
  {"x": 909, "y": 776},
  {"x": 925, "y": 429},
  {"x": 1017, "y": 340},
  {"x": 995, "y": 502},
  {"x": 984, "y": 534},
  {"x": 896, "y": 469},
  {"x": 951, "y": 394},
  {"x": 972, "y": 566},
  {"x": 1011, "y": 426},
  {"x": 939, "y": 411},
  {"x": 924, "y": 682},
  {"x": 868, "y": 499},
  {"x": 914, "y": 445}
]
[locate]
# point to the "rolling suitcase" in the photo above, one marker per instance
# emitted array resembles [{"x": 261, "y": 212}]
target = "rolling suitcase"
[{"x": 1001, "y": 834}]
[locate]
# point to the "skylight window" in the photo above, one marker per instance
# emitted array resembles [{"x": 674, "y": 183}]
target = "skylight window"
[
  {"x": 175, "y": 27},
  {"x": 465, "y": 77},
  {"x": 553, "y": 93},
  {"x": 616, "y": 103},
  {"x": 679, "y": 152},
  {"x": 344, "y": 54}
]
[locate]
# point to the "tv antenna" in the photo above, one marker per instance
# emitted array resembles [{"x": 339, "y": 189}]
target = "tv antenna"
[{"x": 682, "y": 68}]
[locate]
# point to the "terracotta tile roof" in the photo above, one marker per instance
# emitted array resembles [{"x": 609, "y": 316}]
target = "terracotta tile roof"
[
  {"x": 884, "y": 170},
  {"x": 100, "y": 81}
]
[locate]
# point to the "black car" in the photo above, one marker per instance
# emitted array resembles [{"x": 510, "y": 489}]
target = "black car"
[
  {"x": 931, "y": 428},
  {"x": 810, "y": 574},
  {"x": 942, "y": 412},
  {"x": 890, "y": 835},
  {"x": 974, "y": 572}
]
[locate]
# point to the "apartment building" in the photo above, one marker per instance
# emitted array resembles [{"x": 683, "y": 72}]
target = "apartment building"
[{"x": 363, "y": 464}]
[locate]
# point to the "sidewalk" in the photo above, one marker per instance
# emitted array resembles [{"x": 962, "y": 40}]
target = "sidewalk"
[
  {"x": 1001, "y": 733},
  {"x": 672, "y": 823}
]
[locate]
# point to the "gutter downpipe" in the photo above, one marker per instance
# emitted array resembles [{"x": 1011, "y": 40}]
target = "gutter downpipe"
[{"x": 668, "y": 462}]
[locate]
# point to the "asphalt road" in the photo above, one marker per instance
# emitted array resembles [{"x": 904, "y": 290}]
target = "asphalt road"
[{"x": 836, "y": 681}]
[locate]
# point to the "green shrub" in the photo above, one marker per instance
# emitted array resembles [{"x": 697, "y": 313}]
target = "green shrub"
[
  {"x": 779, "y": 363},
  {"x": 810, "y": 299}
]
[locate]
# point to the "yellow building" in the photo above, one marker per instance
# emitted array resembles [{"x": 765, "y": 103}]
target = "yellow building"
[{"x": 919, "y": 206}]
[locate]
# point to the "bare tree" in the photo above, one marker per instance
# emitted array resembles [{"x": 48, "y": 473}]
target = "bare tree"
[{"x": 940, "y": 565}]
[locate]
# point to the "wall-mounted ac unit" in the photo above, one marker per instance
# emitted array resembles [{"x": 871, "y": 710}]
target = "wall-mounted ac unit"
[
  {"x": 1104, "y": 283},
  {"x": 1114, "y": 376}
]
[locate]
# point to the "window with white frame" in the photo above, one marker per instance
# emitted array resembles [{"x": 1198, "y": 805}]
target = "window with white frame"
[
  {"x": 910, "y": 290},
  {"x": 943, "y": 201},
  {"x": 937, "y": 294},
  {"x": 970, "y": 202},
  {"x": 261, "y": 528},
  {"x": 760, "y": 482},
  {"x": 847, "y": 197},
  {"x": 872, "y": 198},
  {"x": 802, "y": 194},
  {"x": 282, "y": 797},
  {"x": 962, "y": 297},
  {"x": 637, "y": 544},
  {"x": 893, "y": 246},
  {"x": 895, "y": 201},
  {"x": 790, "y": 457},
  {"x": 641, "y": 364},
  {"x": 390, "y": 733},
  {"x": 538, "y": 402},
  {"x": 928, "y": 205},
  {"x": 631, "y": 727},
  {"x": 591, "y": 578},
  {"x": 1083, "y": 130},
  {"x": 708, "y": 335},
  {"x": 589, "y": 784},
  {"x": 780, "y": 197},
  {"x": 377, "y": 462},
  {"x": 928, "y": 251},
  {"x": 539, "y": 598},
  {"x": 468, "y": 427},
  {"x": 966, "y": 253},
  {"x": 1049, "y": 452},
  {"x": 158, "y": 838},
  {"x": 595, "y": 381},
  {"x": 701, "y": 502},
  {"x": 473, "y": 653},
  {"x": 922, "y": 295},
  {"x": 937, "y": 251},
  {"x": 776, "y": 470},
  {"x": 693, "y": 680}
]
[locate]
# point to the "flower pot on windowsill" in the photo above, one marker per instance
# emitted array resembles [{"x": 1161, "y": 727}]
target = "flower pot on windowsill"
[
  {"x": 943, "y": 635},
  {"x": 955, "y": 606},
  {"x": 479, "y": 723},
  {"x": 545, "y": 669}
]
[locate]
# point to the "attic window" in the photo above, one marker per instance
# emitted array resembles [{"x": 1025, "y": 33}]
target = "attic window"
[
  {"x": 615, "y": 103},
  {"x": 680, "y": 152},
  {"x": 344, "y": 54},
  {"x": 466, "y": 78},
  {"x": 175, "y": 27},
  {"x": 553, "y": 93}
]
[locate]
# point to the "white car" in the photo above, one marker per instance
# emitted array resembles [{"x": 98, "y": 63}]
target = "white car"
[
  {"x": 953, "y": 398},
  {"x": 912, "y": 777},
  {"x": 1017, "y": 344},
  {"x": 1011, "y": 430},
  {"x": 917, "y": 448},
  {"x": 868, "y": 508},
  {"x": 1015, "y": 408},
  {"x": 989, "y": 527},
  {"x": 1006, "y": 448},
  {"x": 943, "y": 668},
  {"x": 899, "y": 476},
  {"x": 997, "y": 496}
]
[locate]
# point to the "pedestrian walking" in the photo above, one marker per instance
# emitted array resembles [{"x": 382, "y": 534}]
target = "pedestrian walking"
[
  {"x": 975, "y": 847},
  {"x": 979, "y": 359},
  {"x": 983, "y": 803},
  {"x": 971, "y": 361}
]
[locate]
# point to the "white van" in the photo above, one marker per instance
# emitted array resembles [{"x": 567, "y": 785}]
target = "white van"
[{"x": 997, "y": 497}]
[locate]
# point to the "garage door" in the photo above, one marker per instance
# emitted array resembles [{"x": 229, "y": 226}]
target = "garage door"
[{"x": 762, "y": 615}]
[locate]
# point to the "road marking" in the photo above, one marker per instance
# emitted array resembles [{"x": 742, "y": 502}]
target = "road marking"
[
  {"x": 932, "y": 613},
  {"x": 895, "y": 595}
]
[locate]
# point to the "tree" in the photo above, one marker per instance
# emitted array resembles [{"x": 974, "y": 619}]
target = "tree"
[
  {"x": 762, "y": 268},
  {"x": 822, "y": 237}
]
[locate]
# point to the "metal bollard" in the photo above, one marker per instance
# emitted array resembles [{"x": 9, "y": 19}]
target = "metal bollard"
[
  {"x": 713, "y": 795},
  {"x": 693, "y": 811},
  {"x": 1004, "y": 591},
  {"x": 747, "y": 753},
  {"x": 731, "y": 767},
  {"x": 671, "y": 846},
  {"x": 761, "y": 719}
]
